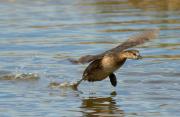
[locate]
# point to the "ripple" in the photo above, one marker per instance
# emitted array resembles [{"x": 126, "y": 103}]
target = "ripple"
[
  {"x": 136, "y": 29},
  {"x": 95, "y": 106},
  {"x": 171, "y": 57},
  {"x": 38, "y": 35},
  {"x": 164, "y": 74}
]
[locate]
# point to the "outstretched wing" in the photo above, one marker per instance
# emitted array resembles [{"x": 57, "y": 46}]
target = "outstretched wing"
[
  {"x": 85, "y": 59},
  {"x": 137, "y": 39},
  {"x": 134, "y": 40}
]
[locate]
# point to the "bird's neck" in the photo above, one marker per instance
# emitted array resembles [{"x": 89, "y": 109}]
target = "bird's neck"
[{"x": 122, "y": 56}]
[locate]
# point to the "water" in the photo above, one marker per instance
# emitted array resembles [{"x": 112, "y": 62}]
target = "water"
[{"x": 37, "y": 37}]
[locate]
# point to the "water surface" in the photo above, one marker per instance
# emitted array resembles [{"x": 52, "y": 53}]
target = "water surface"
[{"x": 37, "y": 36}]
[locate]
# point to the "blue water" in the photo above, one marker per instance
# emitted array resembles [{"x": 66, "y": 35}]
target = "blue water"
[{"x": 38, "y": 37}]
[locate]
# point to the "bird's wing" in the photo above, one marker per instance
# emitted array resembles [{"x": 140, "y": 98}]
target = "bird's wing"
[
  {"x": 85, "y": 59},
  {"x": 134, "y": 40},
  {"x": 137, "y": 39}
]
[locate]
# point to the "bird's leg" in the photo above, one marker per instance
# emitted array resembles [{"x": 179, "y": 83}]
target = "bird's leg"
[
  {"x": 113, "y": 88},
  {"x": 75, "y": 86}
]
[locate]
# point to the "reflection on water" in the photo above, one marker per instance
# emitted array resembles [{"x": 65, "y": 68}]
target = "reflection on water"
[
  {"x": 95, "y": 106},
  {"x": 171, "y": 57},
  {"x": 38, "y": 36},
  {"x": 162, "y": 5}
]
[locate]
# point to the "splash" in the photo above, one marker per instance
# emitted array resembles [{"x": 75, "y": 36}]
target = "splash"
[
  {"x": 65, "y": 84},
  {"x": 18, "y": 76}
]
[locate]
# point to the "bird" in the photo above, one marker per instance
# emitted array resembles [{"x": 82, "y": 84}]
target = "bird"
[{"x": 105, "y": 64}]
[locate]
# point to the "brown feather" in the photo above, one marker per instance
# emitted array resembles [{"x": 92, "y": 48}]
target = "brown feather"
[{"x": 134, "y": 40}]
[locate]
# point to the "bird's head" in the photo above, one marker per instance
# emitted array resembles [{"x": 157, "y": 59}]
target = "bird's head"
[{"x": 131, "y": 54}]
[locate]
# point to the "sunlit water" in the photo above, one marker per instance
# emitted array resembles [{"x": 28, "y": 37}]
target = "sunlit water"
[{"x": 37, "y": 37}]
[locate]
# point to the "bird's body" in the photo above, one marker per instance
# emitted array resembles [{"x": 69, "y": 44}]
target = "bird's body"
[
  {"x": 100, "y": 69},
  {"x": 104, "y": 65}
]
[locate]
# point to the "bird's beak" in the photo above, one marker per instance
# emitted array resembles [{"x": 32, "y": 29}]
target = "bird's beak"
[{"x": 139, "y": 57}]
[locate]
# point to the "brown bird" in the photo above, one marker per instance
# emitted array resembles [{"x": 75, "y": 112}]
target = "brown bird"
[{"x": 104, "y": 65}]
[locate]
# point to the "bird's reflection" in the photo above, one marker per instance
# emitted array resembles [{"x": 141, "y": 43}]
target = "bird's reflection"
[{"x": 100, "y": 106}]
